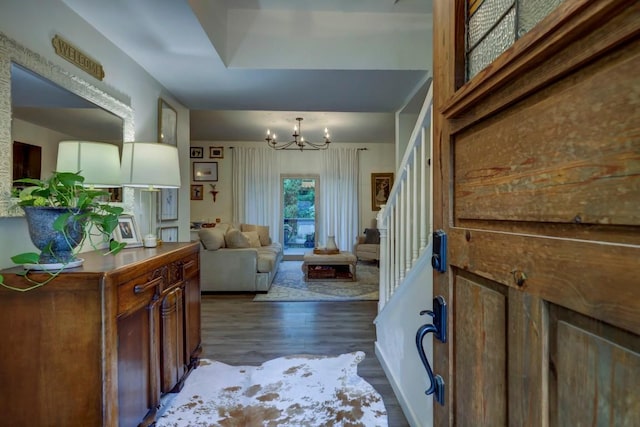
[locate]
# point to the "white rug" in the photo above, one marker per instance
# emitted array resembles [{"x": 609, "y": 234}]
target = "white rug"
[
  {"x": 289, "y": 285},
  {"x": 292, "y": 391}
]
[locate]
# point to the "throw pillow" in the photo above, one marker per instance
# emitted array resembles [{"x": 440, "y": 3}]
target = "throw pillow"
[
  {"x": 263, "y": 232},
  {"x": 371, "y": 236},
  {"x": 235, "y": 239},
  {"x": 211, "y": 238},
  {"x": 252, "y": 236}
]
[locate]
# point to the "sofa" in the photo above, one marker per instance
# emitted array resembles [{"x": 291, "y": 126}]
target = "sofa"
[
  {"x": 238, "y": 258},
  {"x": 367, "y": 247}
]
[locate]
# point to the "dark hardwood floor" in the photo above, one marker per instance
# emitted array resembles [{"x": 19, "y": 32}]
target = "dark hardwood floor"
[{"x": 238, "y": 331}]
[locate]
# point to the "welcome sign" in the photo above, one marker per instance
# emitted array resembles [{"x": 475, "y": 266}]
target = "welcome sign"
[{"x": 74, "y": 55}]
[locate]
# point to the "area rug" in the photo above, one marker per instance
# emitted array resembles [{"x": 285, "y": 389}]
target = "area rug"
[
  {"x": 289, "y": 391},
  {"x": 289, "y": 285}
]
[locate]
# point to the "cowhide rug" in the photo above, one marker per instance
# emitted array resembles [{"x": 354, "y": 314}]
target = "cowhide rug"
[{"x": 288, "y": 391}]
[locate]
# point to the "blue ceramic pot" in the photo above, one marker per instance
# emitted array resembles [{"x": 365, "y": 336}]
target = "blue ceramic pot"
[{"x": 54, "y": 246}]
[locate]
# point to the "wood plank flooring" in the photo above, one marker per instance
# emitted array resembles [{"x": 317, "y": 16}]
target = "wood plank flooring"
[{"x": 238, "y": 331}]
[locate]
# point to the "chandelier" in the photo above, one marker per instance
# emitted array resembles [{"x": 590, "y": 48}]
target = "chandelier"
[{"x": 297, "y": 144}]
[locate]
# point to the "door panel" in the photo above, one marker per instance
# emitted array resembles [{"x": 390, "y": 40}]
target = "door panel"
[
  {"x": 592, "y": 364},
  {"x": 537, "y": 184},
  {"x": 554, "y": 160},
  {"x": 481, "y": 353}
]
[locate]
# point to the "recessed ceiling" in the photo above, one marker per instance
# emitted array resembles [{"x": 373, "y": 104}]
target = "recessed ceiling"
[{"x": 243, "y": 66}]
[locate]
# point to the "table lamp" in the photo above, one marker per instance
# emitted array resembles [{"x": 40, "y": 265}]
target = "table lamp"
[
  {"x": 97, "y": 162},
  {"x": 150, "y": 166}
]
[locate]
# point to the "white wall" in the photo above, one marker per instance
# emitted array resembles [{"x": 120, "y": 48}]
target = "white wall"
[
  {"x": 33, "y": 23},
  {"x": 396, "y": 328},
  {"x": 376, "y": 158}
]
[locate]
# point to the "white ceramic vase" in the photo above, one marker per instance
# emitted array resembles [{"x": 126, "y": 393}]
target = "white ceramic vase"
[{"x": 331, "y": 243}]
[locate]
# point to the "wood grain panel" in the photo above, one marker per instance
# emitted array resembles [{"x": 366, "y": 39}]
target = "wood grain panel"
[
  {"x": 599, "y": 374},
  {"x": 481, "y": 381},
  {"x": 528, "y": 383},
  {"x": 43, "y": 319},
  {"x": 553, "y": 160},
  {"x": 592, "y": 278}
]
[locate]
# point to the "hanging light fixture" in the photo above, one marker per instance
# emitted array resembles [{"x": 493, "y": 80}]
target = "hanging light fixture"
[{"x": 297, "y": 144}]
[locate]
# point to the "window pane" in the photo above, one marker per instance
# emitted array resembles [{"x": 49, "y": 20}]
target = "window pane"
[
  {"x": 492, "y": 46},
  {"x": 485, "y": 17},
  {"x": 530, "y": 12}
]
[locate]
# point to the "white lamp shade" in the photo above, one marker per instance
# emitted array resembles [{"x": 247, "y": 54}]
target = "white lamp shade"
[
  {"x": 150, "y": 165},
  {"x": 97, "y": 162}
]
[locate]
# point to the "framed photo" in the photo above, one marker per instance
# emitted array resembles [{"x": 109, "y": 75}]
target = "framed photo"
[
  {"x": 381, "y": 184},
  {"x": 169, "y": 234},
  {"x": 127, "y": 231},
  {"x": 196, "y": 191},
  {"x": 196, "y": 152},
  {"x": 167, "y": 123},
  {"x": 168, "y": 204},
  {"x": 115, "y": 194},
  {"x": 205, "y": 171},
  {"x": 216, "y": 152}
]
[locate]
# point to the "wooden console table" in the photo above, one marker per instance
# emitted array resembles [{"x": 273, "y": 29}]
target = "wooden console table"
[
  {"x": 100, "y": 344},
  {"x": 327, "y": 268}
]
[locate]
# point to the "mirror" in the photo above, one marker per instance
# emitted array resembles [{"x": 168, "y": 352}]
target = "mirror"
[{"x": 48, "y": 103}]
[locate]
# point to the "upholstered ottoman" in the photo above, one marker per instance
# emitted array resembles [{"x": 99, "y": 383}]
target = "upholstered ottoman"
[{"x": 325, "y": 268}]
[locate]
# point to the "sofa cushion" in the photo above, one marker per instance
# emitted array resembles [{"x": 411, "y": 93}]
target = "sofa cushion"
[
  {"x": 211, "y": 238},
  {"x": 254, "y": 239},
  {"x": 371, "y": 236},
  {"x": 235, "y": 239},
  {"x": 266, "y": 261},
  {"x": 263, "y": 232}
]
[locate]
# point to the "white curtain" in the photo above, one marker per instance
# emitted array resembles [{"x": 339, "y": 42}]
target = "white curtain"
[
  {"x": 256, "y": 188},
  {"x": 339, "y": 197}
]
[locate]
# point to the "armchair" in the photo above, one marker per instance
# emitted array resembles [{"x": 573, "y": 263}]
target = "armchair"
[{"x": 367, "y": 247}]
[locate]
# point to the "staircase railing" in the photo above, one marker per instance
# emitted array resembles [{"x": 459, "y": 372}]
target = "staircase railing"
[{"x": 405, "y": 222}]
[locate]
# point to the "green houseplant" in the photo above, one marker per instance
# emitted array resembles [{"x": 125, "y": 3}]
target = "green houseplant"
[{"x": 61, "y": 215}]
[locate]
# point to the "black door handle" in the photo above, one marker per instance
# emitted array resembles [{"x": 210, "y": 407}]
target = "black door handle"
[{"x": 439, "y": 329}]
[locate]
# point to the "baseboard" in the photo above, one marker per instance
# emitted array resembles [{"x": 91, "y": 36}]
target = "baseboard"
[{"x": 397, "y": 390}]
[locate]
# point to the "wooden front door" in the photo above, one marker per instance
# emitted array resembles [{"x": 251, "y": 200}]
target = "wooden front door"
[{"x": 537, "y": 185}]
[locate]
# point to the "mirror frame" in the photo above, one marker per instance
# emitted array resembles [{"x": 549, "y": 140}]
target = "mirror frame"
[{"x": 11, "y": 51}]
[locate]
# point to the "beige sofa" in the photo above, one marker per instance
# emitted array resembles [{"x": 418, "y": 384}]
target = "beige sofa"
[
  {"x": 367, "y": 247},
  {"x": 238, "y": 259}
]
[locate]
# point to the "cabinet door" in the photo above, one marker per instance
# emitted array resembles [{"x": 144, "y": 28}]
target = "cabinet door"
[
  {"x": 138, "y": 396},
  {"x": 172, "y": 321},
  {"x": 193, "y": 346}
]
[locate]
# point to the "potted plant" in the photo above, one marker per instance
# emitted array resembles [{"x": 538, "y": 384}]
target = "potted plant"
[{"x": 61, "y": 215}]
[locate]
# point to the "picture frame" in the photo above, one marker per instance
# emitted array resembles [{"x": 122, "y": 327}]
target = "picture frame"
[
  {"x": 196, "y": 153},
  {"x": 197, "y": 191},
  {"x": 381, "y": 184},
  {"x": 127, "y": 231},
  {"x": 167, "y": 123},
  {"x": 168, "y": 204},
  {"x": 169, "y": 234},
  {"x": 205, "y": 171},
  {"x": 216, "y": 152}
]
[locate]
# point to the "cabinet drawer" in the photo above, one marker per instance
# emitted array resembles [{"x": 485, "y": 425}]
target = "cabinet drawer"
[
  {"x": 191, "y": 265},
  {"x": 138, "y": 292}
]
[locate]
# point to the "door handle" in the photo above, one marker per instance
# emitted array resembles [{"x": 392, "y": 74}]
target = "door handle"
[{"x": 439, "y": 330}]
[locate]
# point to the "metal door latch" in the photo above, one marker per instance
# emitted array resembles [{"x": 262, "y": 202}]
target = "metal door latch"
[{"x": 439, "y": 256}]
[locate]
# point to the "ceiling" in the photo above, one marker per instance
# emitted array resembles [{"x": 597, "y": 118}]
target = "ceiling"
[{"x": 245, "y": 66}]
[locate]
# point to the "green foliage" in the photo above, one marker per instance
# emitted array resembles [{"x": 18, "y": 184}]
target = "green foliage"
[
  {"x": 65, "y": 189},
  {"x": 298, "y": 200}
]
